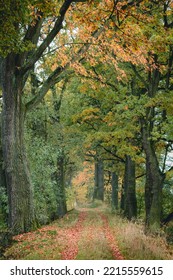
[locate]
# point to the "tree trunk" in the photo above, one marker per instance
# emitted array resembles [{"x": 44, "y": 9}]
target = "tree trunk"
[
  {"x": 154, "y": 182},
  {"x": 99, "y": 180},
  {"x": 114, "y": 184},
  {"x": 95, "y": 180},
  {"x": 19, "y": 189},
  {"x": 130, "y": 203},
  {"x": 3, "y": 188},
  {"x": 122, "y": 202},
  {"x": 148, "y": 192}
]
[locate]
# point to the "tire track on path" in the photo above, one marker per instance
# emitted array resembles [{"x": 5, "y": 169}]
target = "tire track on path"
[
  {"x": 93, "y": 233},
  {"x": 73, "y": 235},
  {"x": 111, "y": 239}
]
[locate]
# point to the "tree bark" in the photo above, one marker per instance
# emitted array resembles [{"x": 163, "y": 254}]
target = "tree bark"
[
  {"x": 130, "y": 201},
  {"x": 2, "y": 180},
  {"x": 19, "y": 188},
  {"x": 154, "y": 182},
  {"x": 122, "y": 200},
  {"x": 148, "y": 192},
  {"x": 99, "y": 180},
  {"x": 114, "y": 184}
]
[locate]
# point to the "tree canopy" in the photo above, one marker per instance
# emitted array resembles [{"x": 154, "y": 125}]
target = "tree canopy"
[{"x": 86, "y": 81}]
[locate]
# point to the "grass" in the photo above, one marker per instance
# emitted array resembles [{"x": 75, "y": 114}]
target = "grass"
[
  {"x": 83, "y": 235},
  {"x": 93, "y": 244},
  {"x": 97, "y": 204},
  {"x": 134, "y": 244},
  {"x": 45, "y": 243},
  {"x": 93, "y": 249}
]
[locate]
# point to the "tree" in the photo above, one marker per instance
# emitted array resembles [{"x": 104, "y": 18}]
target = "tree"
[
  {"x": 21, "y": 53},
  {"x": 114, "y": 194},
  {"x": 29, "y": 37},
  {"x": 99, "y": 179},
  {"x": 130, "y": 201},
  {"x": 153, "y": 83}
]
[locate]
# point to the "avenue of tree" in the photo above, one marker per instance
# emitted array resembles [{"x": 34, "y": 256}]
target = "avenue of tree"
[{"x": 85, "y": 81}]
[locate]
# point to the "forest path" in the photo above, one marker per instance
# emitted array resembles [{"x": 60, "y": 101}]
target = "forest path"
[{"x": 82, "y": 234}]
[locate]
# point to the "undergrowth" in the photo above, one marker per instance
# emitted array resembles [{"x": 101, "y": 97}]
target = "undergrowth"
[{"x": 135, "y": 244}]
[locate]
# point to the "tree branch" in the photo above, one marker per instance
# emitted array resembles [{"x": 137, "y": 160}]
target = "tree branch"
[
  {"x": 59, "y": 73},
  {"x": 96, "y": 78},
  {"x": 113, "y": 154},
  {"x": 56, "y": 29},
  {"x": 139, "y": 76},
  {"x": 54, "y": 78},
  {"x": 33, "y": 32},
  {"x": 139, "y": 176}
]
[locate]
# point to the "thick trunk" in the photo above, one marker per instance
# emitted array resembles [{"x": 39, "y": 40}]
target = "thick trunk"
[
  {"x": 114, "y": 184},
  {"x": 154, "y": 182},
  {"x": 99, "y": 180},
  {"x": 130, "y": 202},
  {"x": 2, "y": 171},
  {"x": 148, "y": 192},
  {"x": 19, "y": 189},
  {"x": 3, "y": 188}
]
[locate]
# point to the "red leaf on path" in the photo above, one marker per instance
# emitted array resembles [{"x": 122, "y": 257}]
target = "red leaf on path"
[
  {"x": 111, "y": 239},
  {"x": 73, "y": 235}
]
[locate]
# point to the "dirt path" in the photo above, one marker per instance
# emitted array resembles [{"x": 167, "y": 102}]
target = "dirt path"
[
  {"x": 91, "y": 238},
  {"x": 84, "y": 234},
  {"x": 111, "y": 239},
  {"x": 73, "y": 235},
  {"x": 103, "y": 232}
]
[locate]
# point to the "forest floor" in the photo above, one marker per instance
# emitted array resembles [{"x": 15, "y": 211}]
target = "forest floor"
[{"x": 86, "y": 234}]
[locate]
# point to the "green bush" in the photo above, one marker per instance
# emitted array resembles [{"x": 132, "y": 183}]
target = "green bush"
[
  {"x": 42, "y": 159},
  {"x": 3, "y": 207}
]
